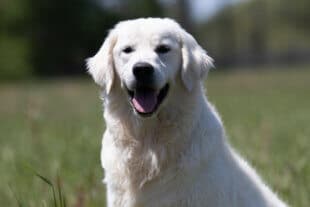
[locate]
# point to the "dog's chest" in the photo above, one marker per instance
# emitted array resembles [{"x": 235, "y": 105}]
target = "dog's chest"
[
  {"x": 171, "y": 189},
  {"x": 145, "y": 179}
]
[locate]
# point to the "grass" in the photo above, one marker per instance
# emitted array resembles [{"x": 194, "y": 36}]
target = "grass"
[{"x": 56, "y": 126}]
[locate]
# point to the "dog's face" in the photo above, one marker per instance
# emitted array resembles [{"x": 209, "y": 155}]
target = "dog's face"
[
  {"x": 147, "y": 55},
  {"x": 146, "y": 60}
]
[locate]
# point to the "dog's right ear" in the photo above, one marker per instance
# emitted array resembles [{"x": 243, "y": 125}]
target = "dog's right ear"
[{"x": 101, "y": 66}]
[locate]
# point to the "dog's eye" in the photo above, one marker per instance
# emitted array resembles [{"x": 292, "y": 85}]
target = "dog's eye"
[
  {"x": 162, "y": 49},
  {"x": 127, "y": 50}
]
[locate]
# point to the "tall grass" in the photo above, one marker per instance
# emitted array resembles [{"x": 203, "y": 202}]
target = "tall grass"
[{"x": 60, "y": 200}]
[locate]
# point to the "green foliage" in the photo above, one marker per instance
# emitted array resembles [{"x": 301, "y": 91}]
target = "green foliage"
[
  {"x": 56, "y": 128},
  {"x": 59, "y": 199},
  {"x": 14, "y": 61},
  {"x": 14, "y": 47},
  {"x": 63, "y": 33}
]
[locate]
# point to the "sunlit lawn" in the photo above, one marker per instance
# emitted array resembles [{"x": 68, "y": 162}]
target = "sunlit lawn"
[{"x": 55, "y": 128}]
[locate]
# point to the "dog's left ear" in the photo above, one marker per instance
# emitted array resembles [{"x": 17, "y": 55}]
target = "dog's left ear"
[
  {"x": 195, "y": 61},
  {"x": 101, "y": 66}
]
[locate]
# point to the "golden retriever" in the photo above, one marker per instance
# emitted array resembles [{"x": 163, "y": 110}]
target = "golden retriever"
[{"x": 164, "y": 144}]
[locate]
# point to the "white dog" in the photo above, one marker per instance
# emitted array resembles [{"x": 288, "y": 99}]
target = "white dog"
[{"x": 164, "y": 144}]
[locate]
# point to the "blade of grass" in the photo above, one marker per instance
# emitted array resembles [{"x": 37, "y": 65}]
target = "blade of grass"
[
  {"x": 19, "y": 203},
  {"x": 60, "y": 197},
  {"x": 47, "y": 181},
  {"x": 64, "y": 203},
  {"x": 50, "y": 184}
]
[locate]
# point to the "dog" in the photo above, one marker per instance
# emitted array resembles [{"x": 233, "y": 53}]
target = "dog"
[{"x": 164, "y": 143}]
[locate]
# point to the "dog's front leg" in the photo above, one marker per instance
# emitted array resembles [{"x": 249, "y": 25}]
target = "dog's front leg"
[
  {"x": 119, "y": 198},
  {"x": 113, "y": 197}
]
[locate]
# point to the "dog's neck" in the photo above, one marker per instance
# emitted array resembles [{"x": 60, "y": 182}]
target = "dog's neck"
[{"x": 153, "y": 142}]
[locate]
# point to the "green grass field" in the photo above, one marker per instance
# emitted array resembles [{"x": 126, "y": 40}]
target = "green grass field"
[{"x": 55, "y": 128}]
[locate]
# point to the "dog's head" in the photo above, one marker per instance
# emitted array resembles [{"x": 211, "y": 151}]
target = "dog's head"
[{"x": 148, "y": 56}]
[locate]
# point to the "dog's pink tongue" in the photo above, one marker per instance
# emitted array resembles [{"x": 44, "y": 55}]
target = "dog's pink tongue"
[{"x": 145, "y": 101}]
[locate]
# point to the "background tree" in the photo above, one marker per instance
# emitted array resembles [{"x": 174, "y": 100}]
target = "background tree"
[{"x": 63, "y": 33}]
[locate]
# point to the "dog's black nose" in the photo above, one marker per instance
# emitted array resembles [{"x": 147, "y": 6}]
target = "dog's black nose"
[{"x": 143, "y": 71}]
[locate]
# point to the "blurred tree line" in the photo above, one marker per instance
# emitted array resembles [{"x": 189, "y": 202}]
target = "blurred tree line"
[
  {"x": 250, "y": 32},
  {"x": 259, "y": 32},
  {"x": 44, "y": 37},
  {"x": 49, "y": 37}
]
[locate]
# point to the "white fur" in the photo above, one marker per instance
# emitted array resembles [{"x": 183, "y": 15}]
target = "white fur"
[{"x": 179, "y": 157}]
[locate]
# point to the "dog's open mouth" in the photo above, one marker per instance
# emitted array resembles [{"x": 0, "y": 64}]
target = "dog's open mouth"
[{"x": 145, "y": 100}]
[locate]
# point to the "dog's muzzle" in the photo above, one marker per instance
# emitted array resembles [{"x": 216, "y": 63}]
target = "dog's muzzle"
[{"x": 145, "y": 98}]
